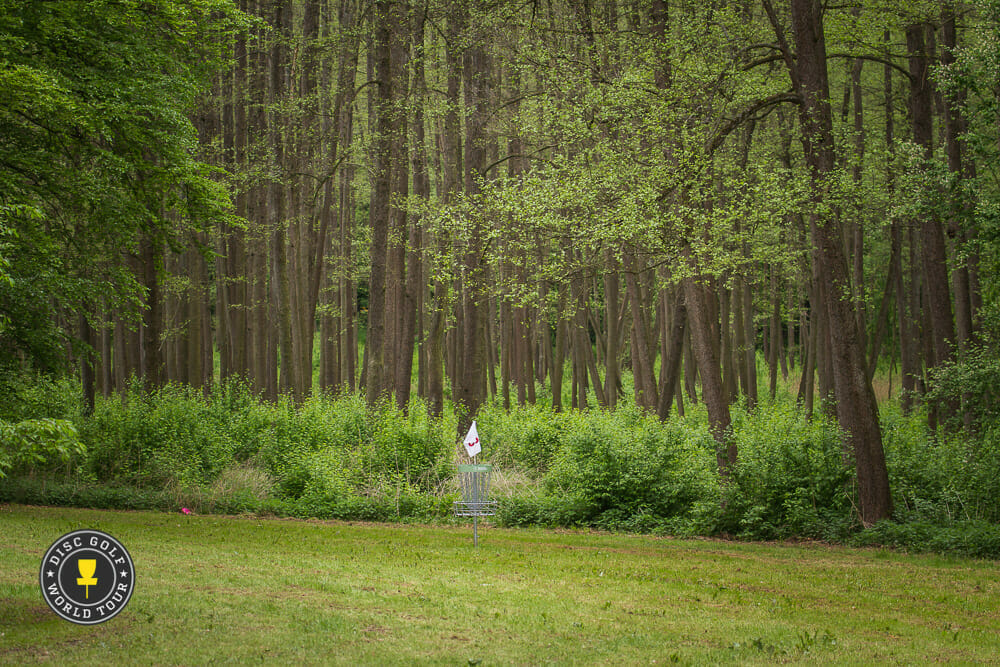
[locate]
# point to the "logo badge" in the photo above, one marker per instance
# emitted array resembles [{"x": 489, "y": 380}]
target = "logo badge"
[{"x": 87, "y": 577}]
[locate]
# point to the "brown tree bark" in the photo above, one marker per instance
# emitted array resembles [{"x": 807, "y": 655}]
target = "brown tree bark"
[
  {"x": 151, "y": 263},
  {"x": 451, "y": 158},
  {"x": 396, "y": 303},
  {"x": 278, "y": 198},
  {"x": 389, "y": 15},
  {"x": 730, "y": 377},
  {"x": 857, "y": 410},
  {"x": 559, "y": 351},
  {"x": 337, "y": 351},
  {"x": 612, "y": 340},
  {"x": 933, "y": 251},
  {"x": 750, "y": 344},
  {"x": 932, "y": 244},
  {"x": 478, "y": 93},
  {"x": 672, "y": 353},
  {"x": 414, "y": 286},
  {"x": 87, "y": 363},
  {"x": 646, "y": 392},
  {"x": 106, "y": 375},
  {"x": 774, "y": 328},
  {"x": 712, "y": 388},
  {"x": 234, "y": 270},
  {"x": 310, "y": 237}
]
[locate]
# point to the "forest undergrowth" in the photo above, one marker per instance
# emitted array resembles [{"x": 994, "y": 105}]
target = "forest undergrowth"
[{"x": 228, "y": 452}]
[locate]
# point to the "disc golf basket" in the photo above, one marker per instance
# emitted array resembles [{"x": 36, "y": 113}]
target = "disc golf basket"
[{"x": 475, "y": 502}]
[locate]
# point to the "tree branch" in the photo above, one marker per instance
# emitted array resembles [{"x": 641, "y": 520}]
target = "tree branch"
[
  {"x": 750, "y": 113},
  {"x": 786, "y": 50},
  {"x": 874, "y": 59}
]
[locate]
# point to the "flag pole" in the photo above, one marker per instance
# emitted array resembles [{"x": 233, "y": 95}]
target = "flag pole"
[{"x": 475, "y": 519}]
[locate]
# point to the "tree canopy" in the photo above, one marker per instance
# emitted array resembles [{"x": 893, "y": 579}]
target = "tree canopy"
[{"x": 98, "y": 153}]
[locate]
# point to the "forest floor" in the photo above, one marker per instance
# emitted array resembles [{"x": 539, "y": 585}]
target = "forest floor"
[{"x": 212, "y": 589}]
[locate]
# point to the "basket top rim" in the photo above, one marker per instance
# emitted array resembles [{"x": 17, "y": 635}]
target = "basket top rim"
[{"x": 478, "y": 467}]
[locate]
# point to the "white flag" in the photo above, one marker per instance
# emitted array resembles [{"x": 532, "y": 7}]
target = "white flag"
[{"x": 472, "y": 446}]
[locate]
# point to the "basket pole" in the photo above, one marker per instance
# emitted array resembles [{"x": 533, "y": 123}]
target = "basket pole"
[{"x": 475, "y": 492}]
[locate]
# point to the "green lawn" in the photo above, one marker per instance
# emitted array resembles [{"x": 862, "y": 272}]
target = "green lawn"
[{"x": 212, "y": 589}]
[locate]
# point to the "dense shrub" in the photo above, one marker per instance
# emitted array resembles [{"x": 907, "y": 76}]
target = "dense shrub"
[
  {"x": 544, "y": 510},
  {"x": 305, "y": 448},
  {"x": 792, "y": 476},
  {"x": 981, "y": 481},
  {"x": 328, "y": 457},
  {"x": 624, "y": 470},
  {"x": 33, "y": 444},
  {"x": 941, "y": 479},
  {"x": 168, "y": 436},
  {"x": 35, "y": 396},
  {"x": 409, "y": 450},
  {"x": 33, "y": 491},
  {"x": 319, "y": 455},
  {"x": 973, "y": 538},
  {"x": 627, "y": 463},
  {"x": 526, "y": 438},
  {"x": 973, "y": 383}
]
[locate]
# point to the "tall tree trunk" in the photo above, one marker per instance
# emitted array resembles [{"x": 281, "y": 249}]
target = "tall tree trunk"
[
  {"x": 451, "y": 156},
  {"x": 396, "y": 314},
  {"x": 235, "y": 267},
  {"x": 739, "y": 338},
  {"x": 310, "y": 237},
  {"x": 282, "y": 17},
  {"x": 774, "y": 347},
  {"x": 749, "y": 344},
  {"x": 87, "y": 360},
  {"x": 106, "y": 382},
  {"x": 672, "y": 354},
  {"x": 960, "y": 227},
  {"x": 710, "y": 370},
  {"x": 226, "y": 241},
  {"x": 197, "y": 354},
  {"x": 911, "y": 329},
  {"x": 856, "y": 229},
  {"x": 151, "y": 259},
  {"x": 478, "y": 90},
  {"x": 730, "y": 377},
  {"x": 933, "y": 252},
  {"x": 612, "y": 340},
  {"x": 808, "y": 337},
  {"x": 413, "y": 292},
  {"x": 642, "y": 357},
  {"x": 388, "y": 16},
  {"x": 558, "y": 355},
  {"x": 857, "y": 410}
]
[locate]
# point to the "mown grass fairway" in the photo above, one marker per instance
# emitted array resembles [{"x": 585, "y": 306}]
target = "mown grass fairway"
[{"x": 243, "y": 590}]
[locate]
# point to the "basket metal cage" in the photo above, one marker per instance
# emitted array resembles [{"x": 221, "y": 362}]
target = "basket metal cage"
[{"x": 475, "y": 481}]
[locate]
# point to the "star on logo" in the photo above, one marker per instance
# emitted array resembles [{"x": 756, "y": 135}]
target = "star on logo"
[
  {"x": 50, "y": 574},
  {"x": 124, "y": 574}
]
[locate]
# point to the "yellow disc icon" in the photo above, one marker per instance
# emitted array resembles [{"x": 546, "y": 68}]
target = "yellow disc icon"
[{"x": 87, "y": 566}]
